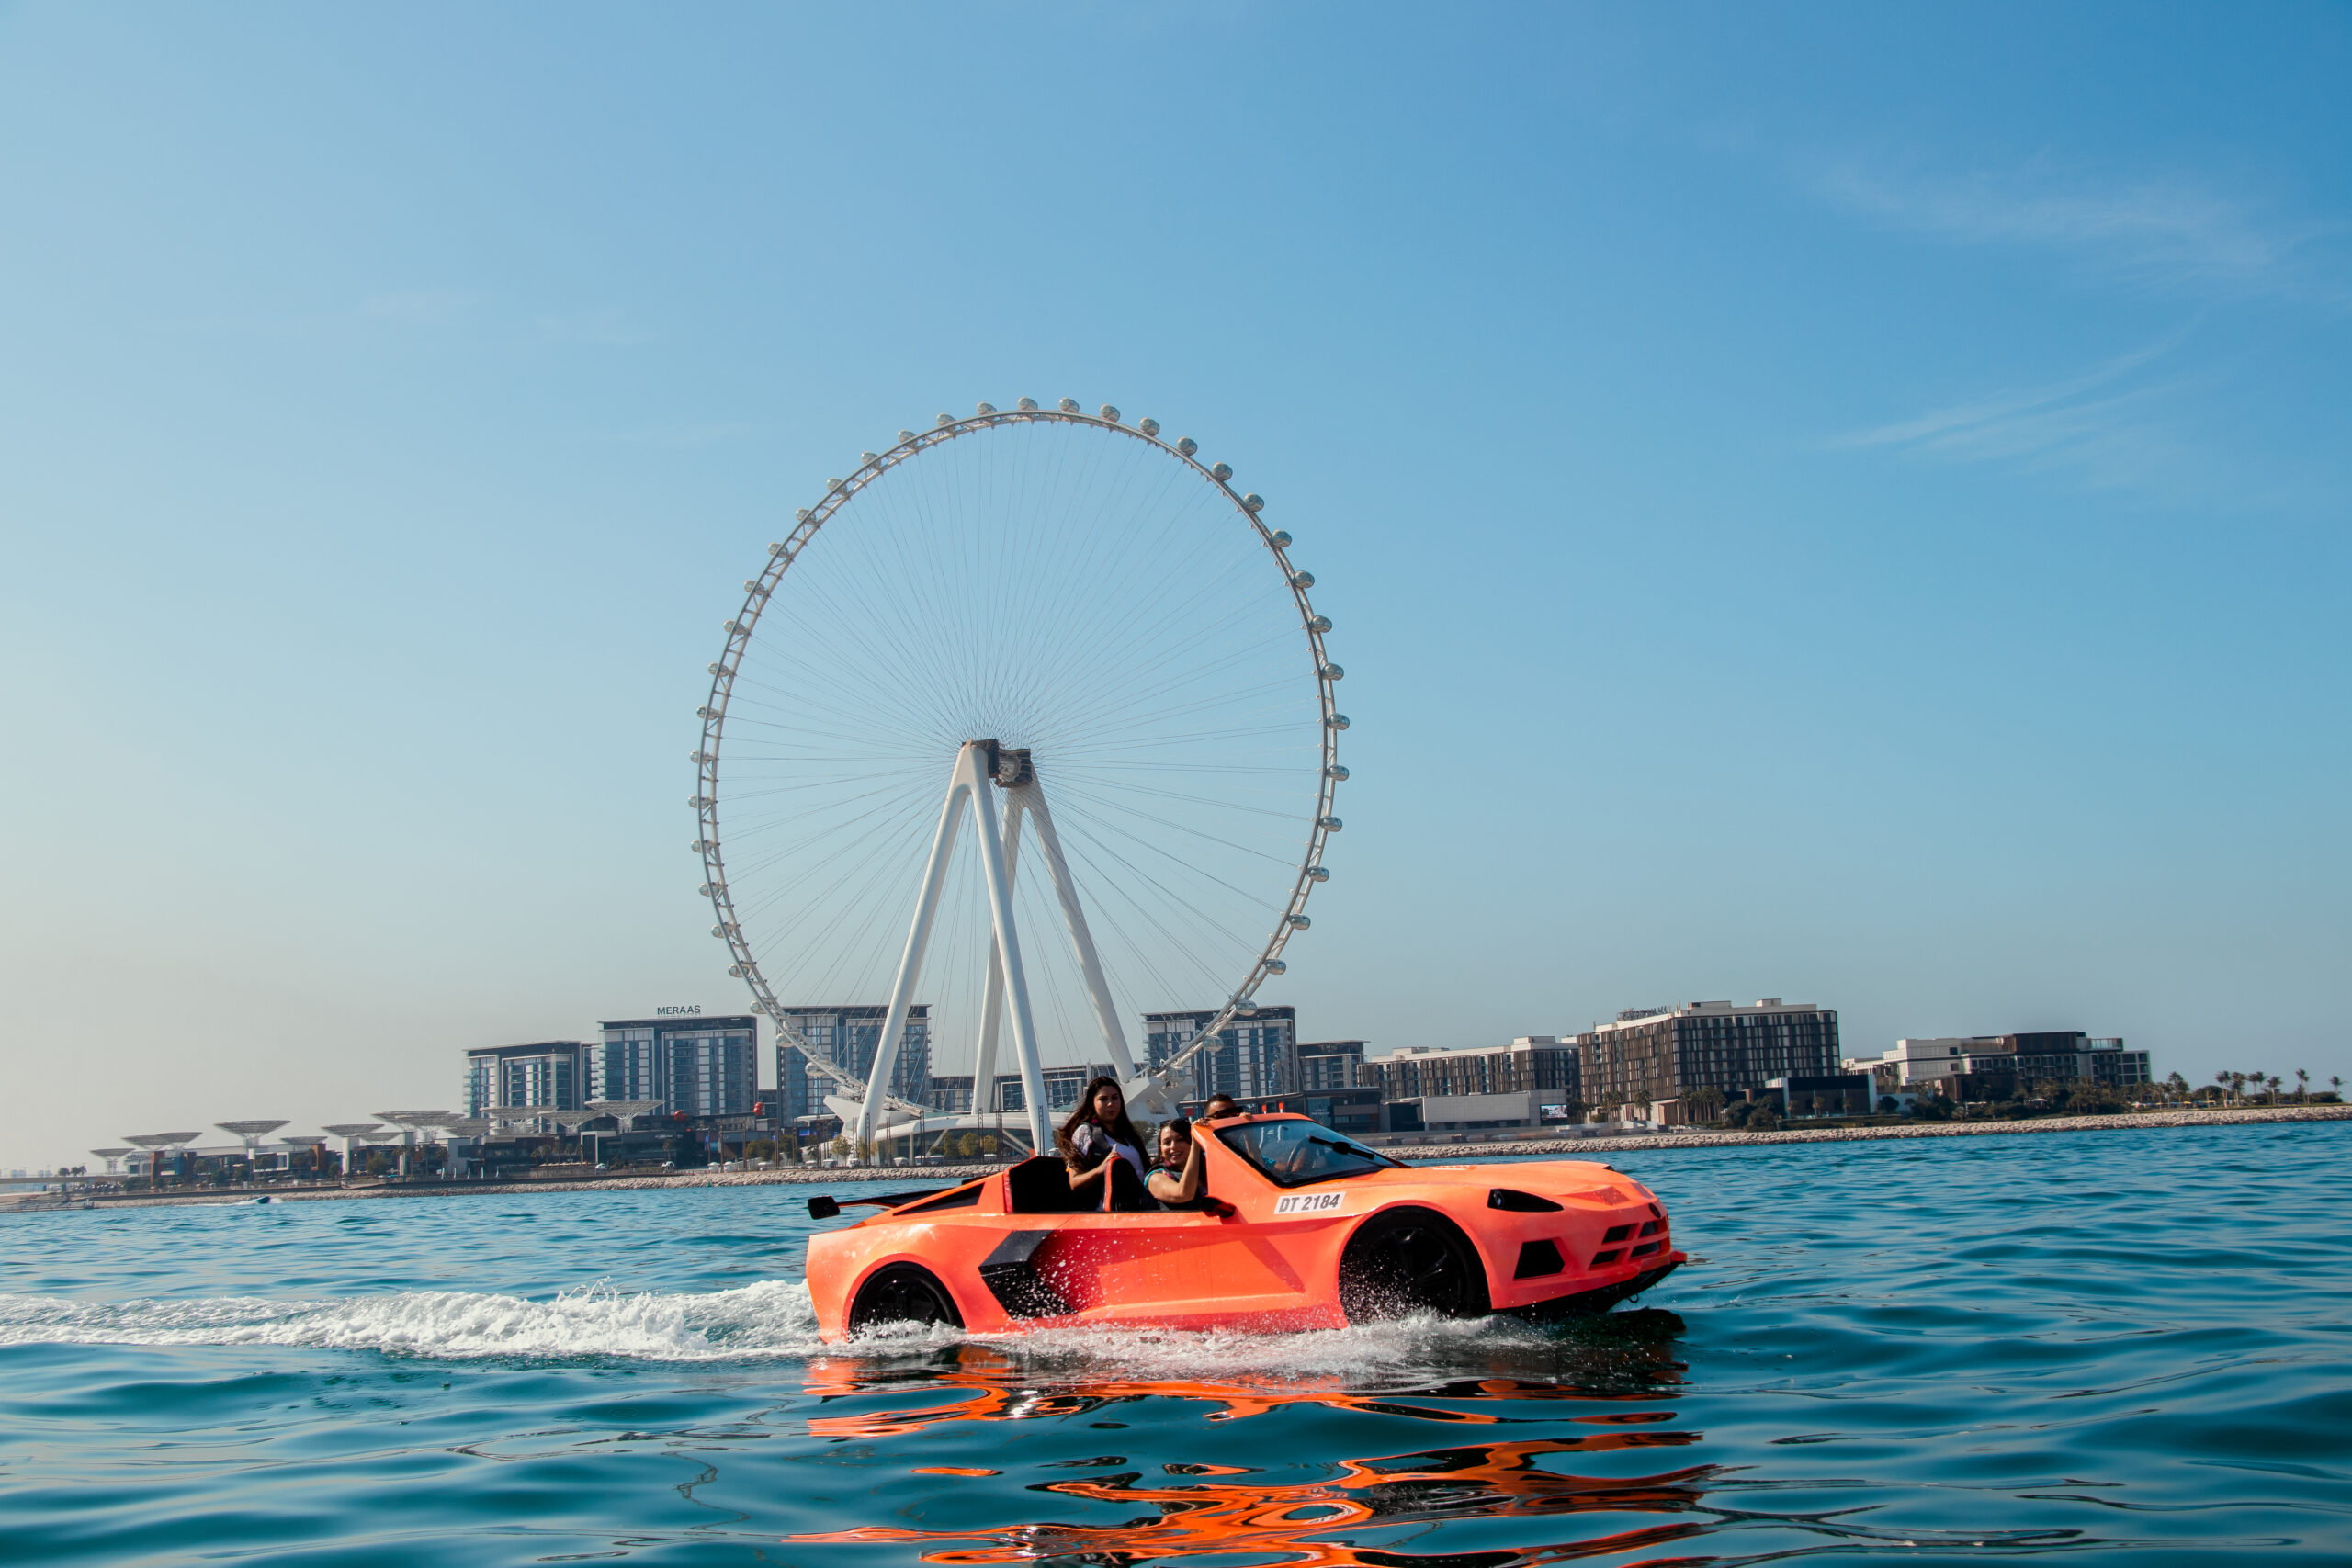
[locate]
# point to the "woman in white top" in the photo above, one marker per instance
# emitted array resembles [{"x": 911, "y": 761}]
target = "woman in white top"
[{"x": 1103, "y": 1149}]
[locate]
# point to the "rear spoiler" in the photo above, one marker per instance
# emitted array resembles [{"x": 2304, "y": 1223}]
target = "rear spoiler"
[{"x": 824, "y": 1208}]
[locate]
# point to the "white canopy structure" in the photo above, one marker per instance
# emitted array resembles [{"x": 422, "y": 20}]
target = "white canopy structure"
[
  {"x": 624, "y": 1110},
  {"x": 251, "y": 1132}
]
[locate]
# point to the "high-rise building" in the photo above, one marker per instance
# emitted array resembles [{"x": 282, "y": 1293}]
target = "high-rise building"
[
  {"x": 550, "y": 1076},
  {"x": 846, "y": 1037},
  {"x": 1254, "y": 1056},
  {"x": 1654, "y": 1054},
  {"x": 704, "y": 1066},
  {"x": 1330, "y": 1064}
]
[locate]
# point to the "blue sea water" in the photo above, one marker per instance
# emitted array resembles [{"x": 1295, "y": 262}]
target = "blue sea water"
[{"x": 2109, "y": 1348}]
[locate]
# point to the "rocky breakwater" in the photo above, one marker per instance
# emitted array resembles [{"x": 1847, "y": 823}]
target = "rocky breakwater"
[{"x": 1595, "y": 1147}]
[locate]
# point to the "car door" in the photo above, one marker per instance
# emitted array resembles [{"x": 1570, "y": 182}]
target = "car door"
[{"x": 1182, "y": 1269}]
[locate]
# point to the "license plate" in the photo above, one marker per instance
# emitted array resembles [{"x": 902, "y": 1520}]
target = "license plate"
[{"x": 1309, "y": 1203}]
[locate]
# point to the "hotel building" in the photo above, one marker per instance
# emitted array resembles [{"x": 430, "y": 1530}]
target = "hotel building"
[
  {"x": 2001, "y": 1066},
  {"x": 1482, "y": 1086},
  {"x": 1655, "y": 1054},
  {"x": 1331, "y": 1063},
  {"x": 549, "y": 1076},
  {"x": 704, "y": 1066}
]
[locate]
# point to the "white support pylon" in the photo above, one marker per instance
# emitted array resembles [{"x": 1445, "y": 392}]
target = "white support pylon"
[
  {"x": 1081, "y": 940},
  {"x": 969, "y": 780},
  {"x": 902, "y": 990},
  {"x": 1028, "y": 801},
  {"x": 1008, "y": 942},
  {"x": 992, "y": 997}
]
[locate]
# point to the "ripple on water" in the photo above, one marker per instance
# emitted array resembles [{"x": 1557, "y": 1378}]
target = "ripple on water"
[{"x": 2118, "y": 1348}]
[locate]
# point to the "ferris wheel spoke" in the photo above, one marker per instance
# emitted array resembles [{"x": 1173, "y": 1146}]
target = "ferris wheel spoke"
[
  {"x": 891, "y": 817},
  {"x": 1119, "y": 765},
  {"x": 1107, "y": 824},
  {"x": 1170, "y": 899},
  {"x": 1124, "y": 724},
  {"x": 1223, "y": 804},
  {"x": 854, "y": 858},
  {"x": 1154, "y": 699}
]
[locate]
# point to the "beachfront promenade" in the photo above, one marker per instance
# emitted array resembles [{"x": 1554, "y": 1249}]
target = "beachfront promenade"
[{"x": 1597, "y": 1147}]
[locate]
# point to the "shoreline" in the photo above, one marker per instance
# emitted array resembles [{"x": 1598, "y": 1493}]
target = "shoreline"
[{"x": 1589, "y": 1147}]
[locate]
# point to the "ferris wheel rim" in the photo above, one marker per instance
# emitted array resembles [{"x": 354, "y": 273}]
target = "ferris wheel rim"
[{"x": 810, "y": 521}]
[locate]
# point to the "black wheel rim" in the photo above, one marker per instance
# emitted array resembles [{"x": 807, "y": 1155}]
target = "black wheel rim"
[
  {"x": 1406, "y": 1267},
  {"x": 900, "y": 1296},
  {"x": 1425, "y": 1270}
]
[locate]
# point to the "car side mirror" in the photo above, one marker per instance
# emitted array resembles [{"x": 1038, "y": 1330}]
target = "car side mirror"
[{"x": 823, "y": 1208}]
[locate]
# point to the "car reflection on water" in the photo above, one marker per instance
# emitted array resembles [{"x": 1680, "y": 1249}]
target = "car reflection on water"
[
  {"x": 1297, "y": 1523},
  {"x": 1201, "y": 1510},
  {"x": 1611, "y": 1357}
]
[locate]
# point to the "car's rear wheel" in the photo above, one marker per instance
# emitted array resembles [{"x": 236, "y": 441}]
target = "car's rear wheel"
[
  {"x": 1410, "y": 1261},
  {"x": 903, "y": 1293}
]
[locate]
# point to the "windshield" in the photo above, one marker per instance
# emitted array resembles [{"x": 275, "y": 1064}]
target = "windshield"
[{"x": 1293, "y": 1153}]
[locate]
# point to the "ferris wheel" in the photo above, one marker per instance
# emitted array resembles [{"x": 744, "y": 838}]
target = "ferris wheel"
[{"x": 1029, "y": 618}]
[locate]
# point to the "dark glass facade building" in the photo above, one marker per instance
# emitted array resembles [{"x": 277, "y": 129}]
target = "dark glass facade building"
[
  {"x": 549, "y": 1076},
  {"x": 703, "y": 1067},
  {"x": 1331, "y": 1063}
]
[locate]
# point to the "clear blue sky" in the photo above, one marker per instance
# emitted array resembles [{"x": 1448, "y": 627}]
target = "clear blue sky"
[{"x": 1838, "y": 503}]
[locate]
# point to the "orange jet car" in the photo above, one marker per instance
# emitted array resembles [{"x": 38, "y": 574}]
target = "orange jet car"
[{"x": 1304, "y": 1228}]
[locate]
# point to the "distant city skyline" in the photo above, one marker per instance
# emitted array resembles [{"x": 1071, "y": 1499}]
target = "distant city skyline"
[
  {"x": 1843, "y": 504},
  {"x": 1735, "y": 1048}
]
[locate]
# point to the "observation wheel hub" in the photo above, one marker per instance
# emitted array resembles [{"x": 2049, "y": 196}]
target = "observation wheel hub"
[{"x": 1011, "y": 766}]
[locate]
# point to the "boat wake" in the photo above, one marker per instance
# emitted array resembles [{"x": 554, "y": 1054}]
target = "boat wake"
[{"x": 768, "y": 1321}]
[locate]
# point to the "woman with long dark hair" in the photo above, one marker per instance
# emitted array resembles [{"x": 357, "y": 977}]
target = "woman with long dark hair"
[
  {"x": 1178, "y": 1181},
  {"x": 1101, "y": 1145}
]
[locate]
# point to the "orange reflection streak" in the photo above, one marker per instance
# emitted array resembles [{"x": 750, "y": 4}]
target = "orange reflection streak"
[
  {"x": 1296, "y": 1523},
  {"x": 996, "y": 1387}
]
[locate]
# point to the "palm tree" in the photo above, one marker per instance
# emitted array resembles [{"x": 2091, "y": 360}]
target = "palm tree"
[
  {"x": 2303, "y": 1085},
  {"x": 2276, "y": 1084},
  {"x": 2222, "y": 1080}
]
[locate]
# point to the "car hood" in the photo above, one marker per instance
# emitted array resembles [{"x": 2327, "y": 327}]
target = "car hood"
[{"x": 1560, "y": 1179}]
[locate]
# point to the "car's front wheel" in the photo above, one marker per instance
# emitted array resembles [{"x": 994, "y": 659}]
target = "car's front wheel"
[
  {"x": 1403, "y": 1261},
  {"x": 903, "y": 1293}
]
